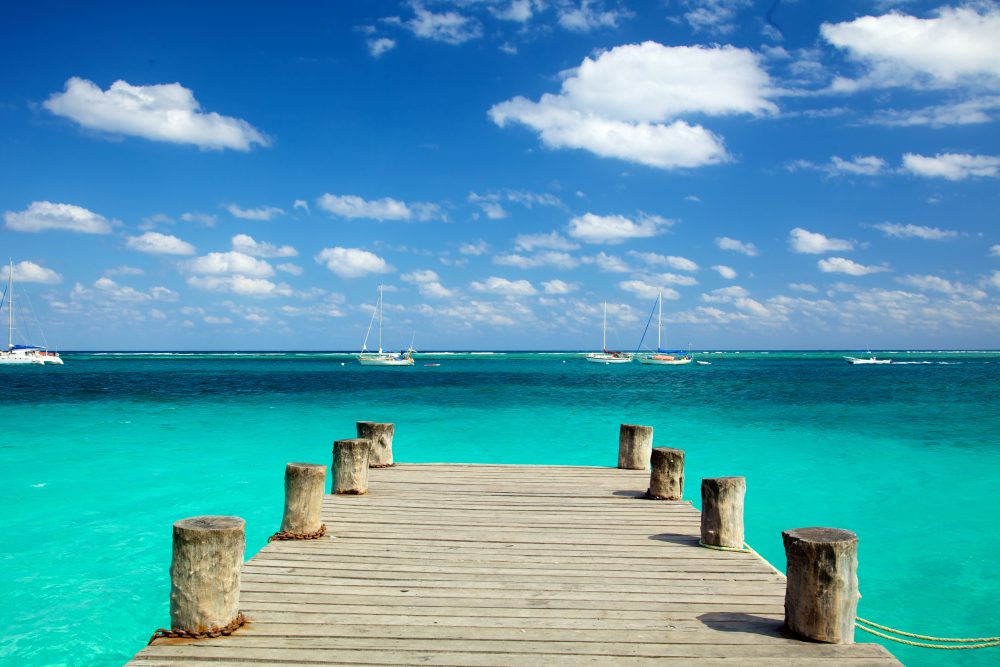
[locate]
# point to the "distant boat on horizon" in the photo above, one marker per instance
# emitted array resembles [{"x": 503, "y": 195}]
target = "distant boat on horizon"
[
  {"x": 662, "y": 357},
  {"x": 381, "y": 358},
  {"x": 606, "y": 356},
  {"x": 21, "y": 354},
  {"x": 871, "y": 359}
]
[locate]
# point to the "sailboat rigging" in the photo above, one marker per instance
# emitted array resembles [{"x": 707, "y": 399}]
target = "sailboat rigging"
[
  {"x": 661, "y": 357},
  {"x": 606, "y": 356},
  {"x": 382, "y": 358},
  {"x": 21, "y": 354}
]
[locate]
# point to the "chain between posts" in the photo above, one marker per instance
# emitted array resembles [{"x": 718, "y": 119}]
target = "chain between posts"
[{"x": 229, "y": 629}]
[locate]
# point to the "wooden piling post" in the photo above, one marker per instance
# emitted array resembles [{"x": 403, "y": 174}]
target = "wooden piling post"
[
  {"x": 821, "y": 595},
  {"x": 722, "y": 511},
  {"x": 381, "y": 438},
  {"x": 350, "y": 466},
  {"x": 304, "y": 484},
  {"x": 205, "y": 572},
  {"x": 634, "y": 445},
  {"x": 666, "y": 479}
]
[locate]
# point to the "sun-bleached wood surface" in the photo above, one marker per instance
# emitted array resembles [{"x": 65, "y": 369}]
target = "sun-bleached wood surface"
[{"x": 449, "y": 564}]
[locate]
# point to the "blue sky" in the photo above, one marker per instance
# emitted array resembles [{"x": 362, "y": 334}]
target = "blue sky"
[{"x": 791, "y": 174}]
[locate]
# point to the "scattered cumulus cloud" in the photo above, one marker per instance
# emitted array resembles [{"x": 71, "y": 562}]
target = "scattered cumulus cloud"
[
  {"x": 995, "y": 250},
  {"x": 607, "y": 263},
  {"x": 671, "y": 261},
  {"x": 165, "y": 112},
  {"x": 626, "y": 103},
  {"x": 967, "y": 112},
  {"x": 29, "y": 272},
  {"x": 615, "y": 229},
  {"x": 726, "y": 272},
  {"x": 352, "y": 262},
  {"x": 228, "y": 263},
  {"x": 726, "y": 243},
  {"x": 125, "y": 271},
  {"x": 714, "y": 16},
  {"x": 301, "y": 204},
  {"x": 560, "y": 260},
  {"x": 44, "y": 215},
  {"x": 262, "y": 213},
  {"x": 589, "y": 15},
  {"x": 952, "y": 166},
  {"x": 240, "y": 285},
  {"x": 387, "y": 208},
  {"x": 956, "y": 46},
  {"x": 900, "y": 231},
  {"x": 942, "y": 285},
  {"x": 160, "y": 244},
  {"x": 644, "y": 290},
  {"x": 447, "y": 27},
  {"x": 505, "y": 287},
  {"x": 803, "y": 287},
  {"x": 380, "y": 45},
  {"x": 803, "y": 241},
  {"x": 475, "y": 248},
  {"x": 293, "y": 269},
  {"x": 249, "y": 246},
  {"x": 428, "y": 283},
  {"x": 550, "y": 241},
  {"x": 206, "y": 219},
  {"x": 851, "y": 268},
  {"x": 559, "y": 287}
]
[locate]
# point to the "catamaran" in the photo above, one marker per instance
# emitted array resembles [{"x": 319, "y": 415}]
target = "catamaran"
[
  {"x": 21, "y": 354},
  {"x": 382, "y": 358},
  {"x": 606, "y": 356},
  {"x": 661, "y": 357}
]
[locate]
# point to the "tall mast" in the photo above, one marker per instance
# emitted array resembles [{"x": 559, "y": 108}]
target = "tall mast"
[
  {"x": 380, "y": 319},
  {"x": 604, "y": 329},
  {"x": 659, "y": 322},
  {"x": 10, "y": 306}
]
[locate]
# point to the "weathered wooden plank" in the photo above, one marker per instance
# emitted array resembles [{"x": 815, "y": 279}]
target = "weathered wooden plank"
[{"x": 475, "y": 565}]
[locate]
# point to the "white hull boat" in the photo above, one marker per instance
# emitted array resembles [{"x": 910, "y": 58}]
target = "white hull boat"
[
  {"x": 382, "y": 358},
  {"x": 606, "y": 356},
  {"x": 22, "y": 354},
  {"x": 856, "y": 361},
  {"x": 661, "y": 357}
]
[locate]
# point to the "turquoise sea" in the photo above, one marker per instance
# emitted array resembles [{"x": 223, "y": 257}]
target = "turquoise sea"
[{"x": 100, "y": 456}]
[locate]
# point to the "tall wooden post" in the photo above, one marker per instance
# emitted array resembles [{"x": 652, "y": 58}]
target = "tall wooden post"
[
  {"x": 381, "y": 438},
  {"x": 821, "y": 596},
  {"x": 666, "y": 479},
  {"x": 205, "y": 572},
  {"x": 304, "y": 484},
  {"x": 350, "y": 466},
  {"x": 722, "y": 511},
  {"x": 634, "y": 445}
]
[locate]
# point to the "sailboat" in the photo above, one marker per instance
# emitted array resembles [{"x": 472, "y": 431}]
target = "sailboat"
[
  {"x": 661, "y": 357},
  {"x": 21, "y": 354},
  {"x": 382, "y": 358},
  {"x": 605, "y": 356}
]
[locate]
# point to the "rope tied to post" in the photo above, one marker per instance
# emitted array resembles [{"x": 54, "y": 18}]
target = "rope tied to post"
[
  {"x": 944, "y": 643},
  {"x": 283, "y": 535},
  {"x": 211, "y": 633},
  {"x": 745, "y": 549}
]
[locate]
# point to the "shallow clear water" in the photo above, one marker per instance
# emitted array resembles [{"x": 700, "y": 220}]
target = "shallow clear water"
[{"x": 100, "y": 456}]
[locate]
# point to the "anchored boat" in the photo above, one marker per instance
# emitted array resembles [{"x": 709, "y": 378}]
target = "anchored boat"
[
  {"x": 606, "y": 356},
  {"x": 381, "y": 358},
  {"x": 661, "y": 357},
  {"x": 21, "y": 354}
]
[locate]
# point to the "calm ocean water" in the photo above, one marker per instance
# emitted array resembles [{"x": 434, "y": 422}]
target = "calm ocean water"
[{"x": 100, "y": 456}]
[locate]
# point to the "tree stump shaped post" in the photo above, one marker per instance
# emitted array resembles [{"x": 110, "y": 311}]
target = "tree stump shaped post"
[
  {"x": 722, "y": 511},
  {"x": 381, "y": 438},
  {"x": 666, "y": 479},
  {"x": 205, "y": 572},
  {"x": 634, "y": 445},
  {"x": 304, "y": 483},
  {"x": 350, "y": 466},
  {"x": 821, "y": 596}
]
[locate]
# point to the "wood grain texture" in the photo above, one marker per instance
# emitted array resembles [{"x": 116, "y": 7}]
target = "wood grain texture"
[{"x": 488, "y": 565}]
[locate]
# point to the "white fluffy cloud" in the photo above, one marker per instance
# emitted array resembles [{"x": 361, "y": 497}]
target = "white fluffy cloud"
[
  {"x": 428, "y": 283},
  {"x": 448, "y": 27},
  {"x": 380, "y": 45},
  {"x": 560, "y": 260},
  {"x": 239, "y": 284},
  {"x": 387, "y": 208},
  {"x": 937, "y": 284},
  {"x": 475, "y": 249},
  {"x": 247, "y": 245},
  {"x": 814, "y": 243},
  {"x": 844, "y": 265},
  {"x": 228, "y": 263},
  {"x": 261, "y": 213},
  {"x": 995, "y": 250},
  {"x": 614, "y": 229},
  {"x": 671, "y": 261},
  {"x": 588, "y": 15},
  {"x": 725, "y": 271},
  {"x": 160, "y": 244},
  {"x": 952, "y": 166},
  {"x": 29, "y": 272},
  {"x": 352, "y": 262},
  {"x": 627, "y": 102},
  {"x": 644, "y": 290},
  {"x": 899, "y": 231},
  {"x": 967, "y": 112},
  {"x": 558, "y": 287},
  {"x": 726, "y": 243},
  {"x": 166, "y": 112},
  {"x": 608, "y": 263},
  {"x": 957, "y": 45},
  {"x": 550, "y": 241},
  {"x": 495, "y": 285},
  {"x": 44, "y": 215},
  {"x": 714, "y": 16}
]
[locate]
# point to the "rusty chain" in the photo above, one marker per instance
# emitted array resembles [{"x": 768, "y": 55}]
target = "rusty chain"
[
  {"x": 233, "y": 626},
  {"x": 285, "y": 535}
]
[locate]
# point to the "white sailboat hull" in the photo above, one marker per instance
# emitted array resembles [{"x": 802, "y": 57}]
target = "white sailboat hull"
[
  {"x": 675, "y": 361},
  {"x": 608, "y": 359},
  {"x": 872, "y": 360},
  {"x": 385, "y": 361}
]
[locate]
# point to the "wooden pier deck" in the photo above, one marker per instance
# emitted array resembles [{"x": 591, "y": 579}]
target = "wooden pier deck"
[{"x": 480, "y": 565}]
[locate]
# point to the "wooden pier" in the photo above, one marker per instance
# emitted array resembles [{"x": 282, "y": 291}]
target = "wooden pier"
[{"x": 443, "y": 564}]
